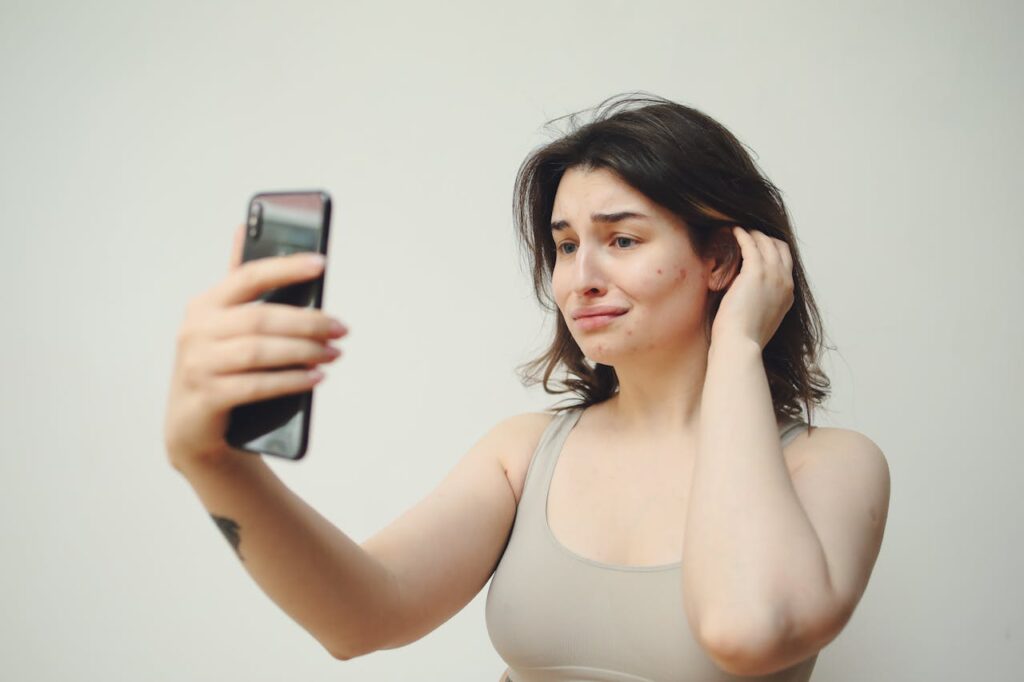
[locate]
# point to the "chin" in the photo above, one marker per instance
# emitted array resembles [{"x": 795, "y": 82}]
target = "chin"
[{"x": 604, "y": 356}]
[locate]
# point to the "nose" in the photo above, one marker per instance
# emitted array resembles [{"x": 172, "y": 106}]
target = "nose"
[{"x": 589, "y": 277}]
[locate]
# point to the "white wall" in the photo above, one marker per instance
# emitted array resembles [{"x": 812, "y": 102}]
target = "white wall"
[{"x": 132, "y": 135}]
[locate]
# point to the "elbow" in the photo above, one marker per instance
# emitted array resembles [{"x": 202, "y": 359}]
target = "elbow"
[
  {"x": 743, "y": 650},
  {"x": 371, "y": 639},
  {"x": 352, "y": 645},
  {"x": 740, "y": 664},
  {"x": 354, "y": 648},
  {"x": 376, "y": 631},
  {"x": 341, "y": 654},
  {"x": 765, "y": 646},
  {"x": 347, "y": 654}
]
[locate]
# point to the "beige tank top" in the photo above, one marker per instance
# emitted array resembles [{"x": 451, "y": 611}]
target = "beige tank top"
[{"x": 555, "y": 616}]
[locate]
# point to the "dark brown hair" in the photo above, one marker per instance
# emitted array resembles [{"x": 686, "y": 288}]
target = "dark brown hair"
[{"x": 688, "y": 163}]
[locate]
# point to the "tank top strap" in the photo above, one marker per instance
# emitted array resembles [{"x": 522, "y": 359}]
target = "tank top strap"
[
  {"x": 790, "y": 429},
  {"x": 542, "y": 465}
]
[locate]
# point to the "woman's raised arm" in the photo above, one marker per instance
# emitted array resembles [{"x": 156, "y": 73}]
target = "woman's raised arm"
[{"x": 443, "y": 550}]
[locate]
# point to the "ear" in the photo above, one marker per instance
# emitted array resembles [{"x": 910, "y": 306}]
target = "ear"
[{"x": 724, "y": 259}]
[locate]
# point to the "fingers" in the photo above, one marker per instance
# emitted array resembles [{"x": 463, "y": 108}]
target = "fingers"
[
  {"x": 273, "y": 319},
  {"x": 237, "y": 248},
  {"x": 227, "y": 391},
  {"x": 785, "y": 255},
  {"x": 247, "y": 353},
  {"x": 251, "y": 279},
  {"x": 774, "y": 253},
  {"x": 250, "y": 357},
  {"x": 769, "y": 254},
  {"x": 231, "y": 356},
  {"x": 748, "y": 249}
]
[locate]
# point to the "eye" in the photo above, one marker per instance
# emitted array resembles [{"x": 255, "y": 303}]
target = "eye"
[{"x": 558, "y": 247}]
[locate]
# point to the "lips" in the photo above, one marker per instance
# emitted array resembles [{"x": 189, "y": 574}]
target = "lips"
[{"x": 595, "y": 311}]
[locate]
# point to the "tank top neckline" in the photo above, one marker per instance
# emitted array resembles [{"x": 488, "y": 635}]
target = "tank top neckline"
[{"x": 568, "y": 423}]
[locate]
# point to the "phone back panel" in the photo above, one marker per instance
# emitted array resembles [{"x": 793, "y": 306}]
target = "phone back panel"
[{"x": 279, "y": 224}]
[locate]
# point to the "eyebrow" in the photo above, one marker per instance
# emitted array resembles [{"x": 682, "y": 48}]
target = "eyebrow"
[{"x": 599, "y": 218}]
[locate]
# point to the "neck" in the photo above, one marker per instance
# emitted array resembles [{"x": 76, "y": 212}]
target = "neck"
[{"x": 660, "y": 392}]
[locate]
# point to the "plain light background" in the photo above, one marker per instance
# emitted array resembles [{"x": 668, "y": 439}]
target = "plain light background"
[{"x": 132, "y": 135}]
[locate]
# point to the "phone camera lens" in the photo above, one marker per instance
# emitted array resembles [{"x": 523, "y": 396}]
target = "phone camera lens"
[{"x": 255, "y": 219}]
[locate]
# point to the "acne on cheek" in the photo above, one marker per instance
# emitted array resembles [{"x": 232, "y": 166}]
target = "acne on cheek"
[{"x": 680, "y": 275}]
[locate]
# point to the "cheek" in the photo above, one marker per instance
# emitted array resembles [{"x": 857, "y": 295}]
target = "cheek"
[
  {"x": 669, "y": 294},
  {"x": 664, "y": 279},
  {"x": 678, "y": 273},
  {"x": 556, "y": 286}
]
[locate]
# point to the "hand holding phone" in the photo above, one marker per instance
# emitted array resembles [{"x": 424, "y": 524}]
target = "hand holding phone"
[{"x": 241, "y": 377}]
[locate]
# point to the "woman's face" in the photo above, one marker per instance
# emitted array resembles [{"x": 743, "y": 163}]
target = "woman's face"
[{"x": 643, "y": 265}]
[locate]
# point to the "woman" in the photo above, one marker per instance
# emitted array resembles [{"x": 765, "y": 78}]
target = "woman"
[{"x": 690, "y": 338}]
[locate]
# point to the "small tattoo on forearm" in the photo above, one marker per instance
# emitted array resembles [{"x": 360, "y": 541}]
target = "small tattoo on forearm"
[{"x": 230, "y": 528}]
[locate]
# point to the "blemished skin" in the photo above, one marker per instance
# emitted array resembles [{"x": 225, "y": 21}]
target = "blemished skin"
[{"x": 648, "y": 266}]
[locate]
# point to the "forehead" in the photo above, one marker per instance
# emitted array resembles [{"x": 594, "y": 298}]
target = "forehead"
[{"x": 583, "y": 191}]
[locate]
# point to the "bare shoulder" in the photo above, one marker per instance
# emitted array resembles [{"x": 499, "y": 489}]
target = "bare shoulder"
[
  {"x": 517, "y": 438},
  {"x": 829, "y": 442}
]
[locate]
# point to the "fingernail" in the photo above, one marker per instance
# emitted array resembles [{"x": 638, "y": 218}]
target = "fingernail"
[
  {"x": 337, "y": 327},
  {"x": 316, "y": 259}
]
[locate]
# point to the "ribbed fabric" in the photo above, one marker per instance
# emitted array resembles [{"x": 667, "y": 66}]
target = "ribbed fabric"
[{"x": 555, "y": 616}]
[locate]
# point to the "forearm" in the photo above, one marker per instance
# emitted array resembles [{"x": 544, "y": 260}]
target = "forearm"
[
  {"x": 320, "y": 577},
  {"x": 751, "y": 553}
]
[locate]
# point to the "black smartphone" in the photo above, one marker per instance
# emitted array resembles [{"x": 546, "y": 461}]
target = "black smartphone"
[{"x": 278, "y": 224}]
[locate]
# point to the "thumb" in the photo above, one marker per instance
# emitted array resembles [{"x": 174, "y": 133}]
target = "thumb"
[{"x": 237, "y": 248}]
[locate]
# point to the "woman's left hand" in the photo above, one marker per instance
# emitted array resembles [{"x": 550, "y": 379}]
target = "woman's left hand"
[{"x": 761, "y": 294}]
